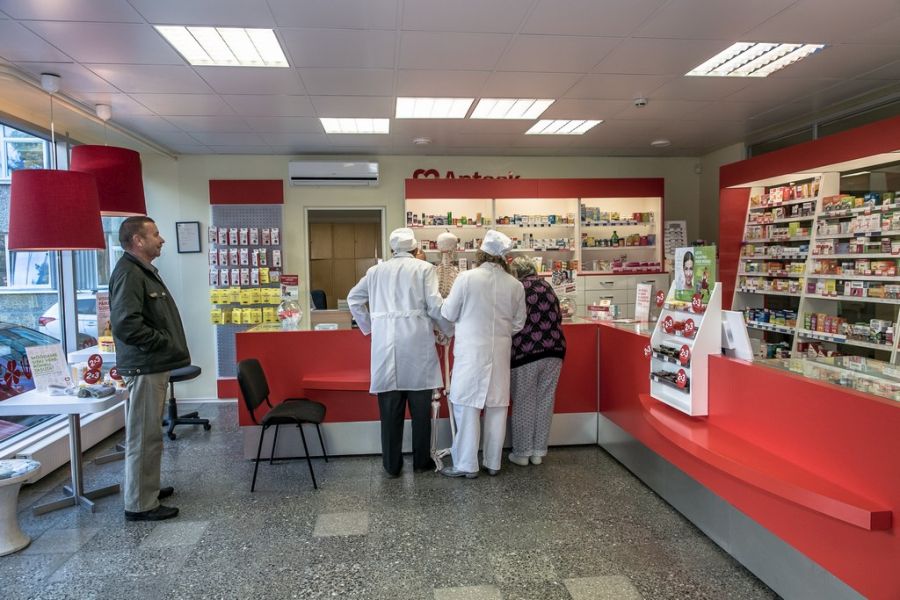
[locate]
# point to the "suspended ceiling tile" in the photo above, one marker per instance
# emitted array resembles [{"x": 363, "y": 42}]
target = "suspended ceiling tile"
[
  {"x": 359, "y": 141},
  {"x": 184, "y": 104},
  {"x": 505, "y": 84},
  {"x": 440, "y": 83},
  {"x": 816, "y": 21},
  {"x": 121, "y": 104},
  {"x": 772, "y": 90},
  {"x": 843, "y": 61},
  {"x": 585, "y": 109},
  {"x": 241, "y": 150},
  {"x": 661, "y": 109},
  {"x": 700, "y": 88},
  {"x": 171, "y": 138},
  {"x": 497, "y": 16},
  {"x": 365, "y": 107},
  {"x": 145, "y": 124},
  {"x": 286, "y": 125},
  {"x": 339, "y": 14},
  {"x": 846, "y": 91},
  {"x": 161, "y": 79},
  {"x": 18, "y": 44},
  {"x": 889, "y": 72},
  {"x": 446, "y": 50},
  {"x": 348, "y": 82},
  {"x": 218, "y": 13},
  {"x": 650, "y": 56},
  {"x": 296, "y": 139},
  {"x": 782, "y": 113},
  {"x": 251, "y": 80},
  {"x": 724, "y": 111},
  {"x": 709, "y": 19},
  {"x": 111, "y": 43},
  {"x": 189, "y": 149},
  {"x": 275, "y": 106},
  {"x": 555, "y": 53},
  {"x": 209, "y": 124},
  {"x": 215, "y": 138},
  {"x": 340, "y": 48},
  {"x": 589, "y": 17},
  {"x": 617, "y": 87},
  {"x": 72, "y": 10},
  {"x": 74, "y": 78}
]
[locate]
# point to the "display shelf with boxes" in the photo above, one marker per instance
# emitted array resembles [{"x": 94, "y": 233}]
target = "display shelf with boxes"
[
  {"x": 620, "y": 235},
  {"x": 686, "y": 334},
  {"x": 862, "y": 374}
]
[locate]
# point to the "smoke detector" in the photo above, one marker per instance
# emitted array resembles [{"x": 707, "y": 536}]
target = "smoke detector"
[
  {"x": 661, "y": 143},
  {"x": 421, "y": 141}
]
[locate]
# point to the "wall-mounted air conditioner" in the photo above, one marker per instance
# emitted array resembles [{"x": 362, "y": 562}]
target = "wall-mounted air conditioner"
[{"x": 332, "y": 172}]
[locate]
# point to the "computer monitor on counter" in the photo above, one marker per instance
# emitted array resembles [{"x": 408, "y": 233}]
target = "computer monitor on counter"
[{"x": 735, "y": 340}]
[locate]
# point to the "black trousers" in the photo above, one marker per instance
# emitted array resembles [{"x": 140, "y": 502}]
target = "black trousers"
[{"x": 392, "y": 406}]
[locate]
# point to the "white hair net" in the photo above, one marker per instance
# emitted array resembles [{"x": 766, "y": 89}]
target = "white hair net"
[
  {"x": 403, "y": 240},
  {"x": 496, "y": 243}
]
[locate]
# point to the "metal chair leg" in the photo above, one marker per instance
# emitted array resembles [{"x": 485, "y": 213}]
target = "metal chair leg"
[
  {"x": 308, "y": 459},
  {"x": 262, "y": 434},
  {"x": 274, "y": 441},
  {"x": 322, "y": 443}
]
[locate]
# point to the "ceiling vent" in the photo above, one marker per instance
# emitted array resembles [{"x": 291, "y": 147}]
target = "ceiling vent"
[{"x": 317, "y": 172}]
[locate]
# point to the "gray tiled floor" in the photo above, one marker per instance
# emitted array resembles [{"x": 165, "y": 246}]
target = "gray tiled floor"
[{"x": 578, "y": 527}]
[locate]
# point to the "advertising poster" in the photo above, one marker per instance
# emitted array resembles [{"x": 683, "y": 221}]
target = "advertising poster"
[
  {"x": 642, "y": 302},
  {"x": 48, "y": 367},
  {"x": 695, "y": 272},
  {"x": 290, "y": 287}
]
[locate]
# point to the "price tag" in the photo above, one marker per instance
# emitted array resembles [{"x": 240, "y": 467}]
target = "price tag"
[
  {"x": 689, "y": 328},
  {"x": 681, "y": 379},
  {"x": 114, "y": 374},
  {"x": 660, "y": 298},
  {"x": 684, "y": 355},
  {"x": 91, "y": 376},
  {"x": 647, "y": 351},
  {"x": 669, "y": 324},
  {"x": 697, "y": 303},
  {"x": 94, "y": 362}
]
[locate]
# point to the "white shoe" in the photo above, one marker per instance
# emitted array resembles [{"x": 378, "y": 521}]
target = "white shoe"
[
  {"x": 522, "y": 461},
  {"x": 536, "y": 460}
]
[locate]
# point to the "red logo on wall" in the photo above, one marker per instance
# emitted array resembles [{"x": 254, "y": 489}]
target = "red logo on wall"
[{"x": 435, "y": 174}]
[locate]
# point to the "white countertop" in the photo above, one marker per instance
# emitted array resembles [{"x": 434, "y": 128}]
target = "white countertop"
[
  {"x": 78, "y": 356},
  {"x": 39, "y": 403}
]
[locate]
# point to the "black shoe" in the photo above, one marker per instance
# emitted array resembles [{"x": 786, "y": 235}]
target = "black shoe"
[
  {"x": 160, "y": 513},
  {"x": 429, "y": 466},
  {"x": 390, "y": 475},
  {"x": 166, "y": 492}
]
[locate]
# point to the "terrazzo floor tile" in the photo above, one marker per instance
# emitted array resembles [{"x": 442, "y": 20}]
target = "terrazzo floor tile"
[
  {"x": 477, "y": 592},
  {"x": 610, "y": 587},
  {"x": 60, "y": 541},
  {"x": 342, "y": 523},
  {"x": 177, "y": 533}
]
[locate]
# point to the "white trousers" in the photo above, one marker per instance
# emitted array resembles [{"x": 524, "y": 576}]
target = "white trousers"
[{"x": 468, "y": 431}]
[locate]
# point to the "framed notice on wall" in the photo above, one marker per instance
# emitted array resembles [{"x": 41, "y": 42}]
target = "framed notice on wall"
[
  {"x": 187, "y": 235},
  {"x": 675, "y": 234}
]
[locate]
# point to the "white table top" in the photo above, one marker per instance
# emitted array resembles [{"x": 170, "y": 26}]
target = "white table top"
[
  {"x": 78, "y": 356},
  {"x": 39, "y": 403}
]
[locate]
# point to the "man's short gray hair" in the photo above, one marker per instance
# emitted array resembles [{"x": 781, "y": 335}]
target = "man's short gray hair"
[{"x": 522, "y": 267}]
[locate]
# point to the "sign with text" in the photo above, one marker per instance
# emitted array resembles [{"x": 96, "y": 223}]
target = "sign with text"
[
  {"x": 642, "y": 301},
  {"x": 48, "y": 367},
  {"x": 435, "y": 174},
  {"x": 290, "y": 287}
]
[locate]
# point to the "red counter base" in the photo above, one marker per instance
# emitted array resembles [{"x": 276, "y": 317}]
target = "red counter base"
[{"x": 815, "y": 465}]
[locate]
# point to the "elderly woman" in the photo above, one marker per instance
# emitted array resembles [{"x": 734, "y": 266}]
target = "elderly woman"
[{"x": 537, "y": 355}]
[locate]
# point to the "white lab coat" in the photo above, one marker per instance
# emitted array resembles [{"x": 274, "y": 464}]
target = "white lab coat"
[
  {"x": 488, "y": 307},
  {"x": 398, "y": 302}
]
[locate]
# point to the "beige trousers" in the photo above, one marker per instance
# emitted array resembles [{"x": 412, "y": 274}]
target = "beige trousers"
[{"x": 143, "y": 440}]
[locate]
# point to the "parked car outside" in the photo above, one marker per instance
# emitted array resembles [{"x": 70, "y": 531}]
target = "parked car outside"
[{"x": 86, "y": 304}]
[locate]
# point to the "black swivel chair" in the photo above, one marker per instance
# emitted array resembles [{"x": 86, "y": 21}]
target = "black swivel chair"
[
  {"x": 292, "y": 411},
  {"x": 319, "y": 299},
  {"x": 172, "y": 417}
]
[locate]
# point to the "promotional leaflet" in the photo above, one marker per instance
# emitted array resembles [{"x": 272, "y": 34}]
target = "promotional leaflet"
[
  {"x": 48, "y": 367},
  {"x": 695, "y": 272},
  {"x": 642, "y": 302}
]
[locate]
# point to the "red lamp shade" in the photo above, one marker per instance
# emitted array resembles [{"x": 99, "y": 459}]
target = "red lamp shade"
[
  {"x": 119, "y": 181},
  {"x": 54, "y": 210}
]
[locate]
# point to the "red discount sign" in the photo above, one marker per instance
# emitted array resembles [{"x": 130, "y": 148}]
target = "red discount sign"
[
  {"x": 689, "y": 328},
  {"x": 669, "y": 324},
  {"x": 697, "y": 303},
  {"x": 647, "y": 351},
  {"x": 91, "y": 376},
  {"x": 681, "y": 379},
  {"x": 660, "y": 298},
  {"x": 94, "y": 362},
  {"x": 684, "y": 355},
  {"x": 114, "y": 374}
]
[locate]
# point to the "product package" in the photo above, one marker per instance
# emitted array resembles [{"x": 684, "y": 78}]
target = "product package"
[
  {"x": 254, "y": 257},
  {"x": 233, "y": 257},
  {"x": 233, "y": 236},
  {"x": 243, "y": 236},
  {"x": 212, "y": 235},
  {"x": 261, "y": 255},
  {"x": 254, "y": 276},
  {"x": 276, "y": 236},
  {"x": 223, "y": 236},
  {"x": 276, "y": 258},
  {"x": 254, "y": 236},
  {"x": 223, "y": 257},
  {"x": 266, "y": 236},
  {"x": 245, "y": 276},
  {"x": 223, "y": 277},
  {"x": 213, "y": 258},
  {"x": 245, "y": 257},
  {"x": 236, "y": 277},
  {"x": 214, "y": 276},
  {"x": 263, "y": 275}
]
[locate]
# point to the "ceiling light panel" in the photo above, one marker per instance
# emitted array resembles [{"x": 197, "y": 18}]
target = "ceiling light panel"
[
  {"x": 357, "y": 126},
  {"x": 510, "y": 108},
  {"x": 753, "y": 59},
  {"x": 432, "y": 108},
  {"x": 226, "y": 46},
  {"x": 562, "y": 127}
]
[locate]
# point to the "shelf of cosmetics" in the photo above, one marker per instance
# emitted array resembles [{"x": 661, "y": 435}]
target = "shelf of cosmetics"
[
  {"x": 782, "y": 349},
  {"x": 777, "y": 232},
  {"x": 835, "y": 287},
  {"x": 791, "y": 211},
  {"x": 244, "y": 236},
  {"x": 823, "y": 326},
  {"x": 849, "y": 267},
  {"x": 884, "y": 224},
  {"x": 592, "y": 216},
  {"x": 781, "y": 195},
  {"x": 414, "y": 219},
  {"x": 527, "y": 242},
  {"x": 244, "y": 257},
  {"x": 243, "y": 276},
  {"x": 862, "y": 374},
  {"x": 616, "y": 241}
]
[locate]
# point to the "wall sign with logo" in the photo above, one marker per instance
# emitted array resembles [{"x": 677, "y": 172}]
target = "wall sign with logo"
[{"x": 435, "y": 174}]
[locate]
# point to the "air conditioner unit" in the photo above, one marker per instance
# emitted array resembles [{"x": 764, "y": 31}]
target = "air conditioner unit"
[{"x": 332, "y": 172}]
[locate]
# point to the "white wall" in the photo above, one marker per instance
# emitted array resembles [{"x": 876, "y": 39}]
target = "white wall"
[
  {"x": 708, "y": 222},
  {"x": 179, "y": 191}
]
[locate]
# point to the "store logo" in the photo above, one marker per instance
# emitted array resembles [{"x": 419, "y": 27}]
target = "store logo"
[{"x": 435, "y": 174}]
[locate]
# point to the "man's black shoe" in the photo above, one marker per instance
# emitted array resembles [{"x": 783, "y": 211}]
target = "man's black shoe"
[
  {"x": 428, "y": 467},
  {"x": 166, "y": 492},
  {"x": 160, "y": 513}
]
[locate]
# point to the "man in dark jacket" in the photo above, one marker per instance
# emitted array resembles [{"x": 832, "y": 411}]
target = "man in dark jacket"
[{"x": 150, "y": 342}]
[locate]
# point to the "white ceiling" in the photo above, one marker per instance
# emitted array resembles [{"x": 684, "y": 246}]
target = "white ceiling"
[{"x": 352, "y": 58}]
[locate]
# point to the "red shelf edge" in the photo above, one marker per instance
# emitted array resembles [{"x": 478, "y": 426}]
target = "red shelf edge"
[
  {"x": 858, "y": 512},
  {"x": 354, "y": 381}
]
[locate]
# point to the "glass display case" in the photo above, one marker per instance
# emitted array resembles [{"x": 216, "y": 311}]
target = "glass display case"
[{"x": 862, "y": 374}]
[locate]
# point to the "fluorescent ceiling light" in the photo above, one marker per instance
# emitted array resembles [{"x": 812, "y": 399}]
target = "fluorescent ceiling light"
[
  {"x": 364, "y": 126},
  {"x": 753, "y": 59},
  {"x": 561, "y": 127},
  {"x": 509, "y": 108},
  {"x": 225, "y": 46},
  {"x": 433, "y": 108}
]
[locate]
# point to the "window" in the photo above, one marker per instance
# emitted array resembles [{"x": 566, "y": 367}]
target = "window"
[{"x": 20, "y": 150}]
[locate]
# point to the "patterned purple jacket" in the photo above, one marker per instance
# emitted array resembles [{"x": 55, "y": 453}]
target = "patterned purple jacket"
[{"x": 542, "y": 336}]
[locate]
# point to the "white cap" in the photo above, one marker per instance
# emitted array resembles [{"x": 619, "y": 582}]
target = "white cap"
[
  {"x": 496, "y": 243},
  {"x": 446, "y": 242},
  {"x": 403, "y": 240}
]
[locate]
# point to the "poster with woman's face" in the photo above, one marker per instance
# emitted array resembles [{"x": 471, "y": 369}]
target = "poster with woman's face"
[
  {"x": 684, "y": 268},
  {"x": 695, "y": 272}
]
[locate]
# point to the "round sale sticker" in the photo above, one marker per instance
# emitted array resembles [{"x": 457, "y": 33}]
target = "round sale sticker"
[
  {"x": 697, "y": 303},
  {"x": 681, "y": 379},
  {"x": 647, "y": 351},
  {"x": 94, "y": 362},
  {"x": 689, "y": 328},
  {"x": 684, "y": 355},
  {"x": 114, "y": 374},
  {"x": 660, "y": 298},
  {"x": 91, "y": 376},
  {"x": 669, "y": 324}
]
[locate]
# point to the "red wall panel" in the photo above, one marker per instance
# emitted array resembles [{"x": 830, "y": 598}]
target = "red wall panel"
[{"x": 733, "y": 205}]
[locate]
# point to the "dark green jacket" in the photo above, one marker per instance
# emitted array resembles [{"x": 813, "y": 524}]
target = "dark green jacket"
[{"x": 144, "y": 319}]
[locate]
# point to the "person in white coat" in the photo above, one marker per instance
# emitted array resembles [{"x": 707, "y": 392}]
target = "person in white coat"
[
  {"x": 487, "y": 306},
  {"x": 398, "y": 302}
]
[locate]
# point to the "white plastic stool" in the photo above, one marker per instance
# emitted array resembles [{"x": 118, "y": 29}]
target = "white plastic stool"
[{"x": 13, "y": 473}]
